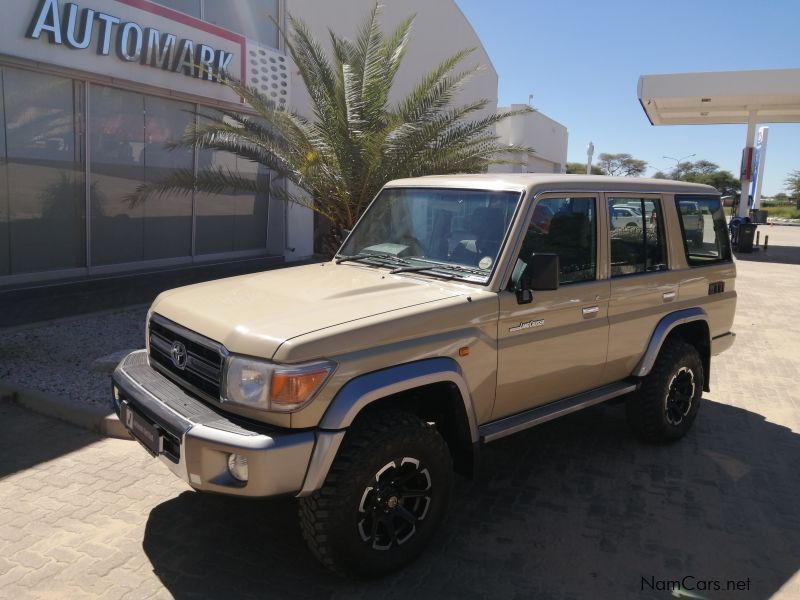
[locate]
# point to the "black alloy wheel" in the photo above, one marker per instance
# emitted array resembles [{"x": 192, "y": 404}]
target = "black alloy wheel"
[
  {"x": 394, "y": 503},
  {"x": 384, "y": 497}
]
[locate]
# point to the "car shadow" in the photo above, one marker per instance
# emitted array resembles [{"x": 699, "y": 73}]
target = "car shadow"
[
  {"x": 575, "y": 508},
  {"x": 788, "y": 255},
  {"x": 28, "y": 439}
]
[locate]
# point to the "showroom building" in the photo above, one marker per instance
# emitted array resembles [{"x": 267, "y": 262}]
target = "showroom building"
[{"x": 93, "y": 91}]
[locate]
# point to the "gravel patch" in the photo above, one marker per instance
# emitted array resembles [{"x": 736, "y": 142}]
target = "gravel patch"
[{"x": 58, "y": 357}]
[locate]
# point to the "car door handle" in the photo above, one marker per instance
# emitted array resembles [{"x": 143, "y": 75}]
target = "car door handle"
[
  {"x": 668, "y": 296},
  {"x": 590, "y": 310}
]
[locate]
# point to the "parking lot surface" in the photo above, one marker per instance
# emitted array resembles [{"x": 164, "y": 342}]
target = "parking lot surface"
[{"x": 575, "y": 508}]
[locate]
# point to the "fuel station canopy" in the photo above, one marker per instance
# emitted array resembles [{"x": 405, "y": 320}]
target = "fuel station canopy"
[
  {"x": 765, "y": 96},
  {"x": 750, "y": 97}
]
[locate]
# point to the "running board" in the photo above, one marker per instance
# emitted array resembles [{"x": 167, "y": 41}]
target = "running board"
[{"x": 541, "y": 414}]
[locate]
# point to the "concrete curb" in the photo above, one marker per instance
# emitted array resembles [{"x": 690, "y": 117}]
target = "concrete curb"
[{"x": 93, "y": 418}]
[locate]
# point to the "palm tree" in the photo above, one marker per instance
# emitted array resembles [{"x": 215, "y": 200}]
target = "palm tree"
[{"x": 357, "y": 139}]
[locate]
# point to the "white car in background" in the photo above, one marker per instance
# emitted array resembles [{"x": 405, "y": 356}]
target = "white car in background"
[{"x": 625, "y": 216}]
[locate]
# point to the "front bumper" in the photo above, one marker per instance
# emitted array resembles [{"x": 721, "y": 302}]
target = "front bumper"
[{"x": 195, "y": 439}]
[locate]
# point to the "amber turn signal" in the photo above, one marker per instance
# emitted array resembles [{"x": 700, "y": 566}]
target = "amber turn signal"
[{"x": 295, "y": 388}]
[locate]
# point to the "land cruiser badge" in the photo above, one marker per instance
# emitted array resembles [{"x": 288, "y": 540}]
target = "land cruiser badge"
[{"x": 527, "y": 325}]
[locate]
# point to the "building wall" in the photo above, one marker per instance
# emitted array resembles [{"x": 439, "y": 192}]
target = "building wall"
[
  {"x": 440, "y": 30},
  {"x": 84, "y": 120},
  {"x": 82, "y": 127},
  {"x": 547, "y": 137}
]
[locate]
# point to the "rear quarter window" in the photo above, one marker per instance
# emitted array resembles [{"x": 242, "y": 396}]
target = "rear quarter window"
[{"x": 704, "y": 230}]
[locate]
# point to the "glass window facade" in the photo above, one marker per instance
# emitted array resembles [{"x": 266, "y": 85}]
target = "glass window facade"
[
  {"x": 42, "y": 185},
  {"x": 190, "y": 7},
  {"x": 128, "y": 135},
  {"x": 230, "y": 222},
  {"x": 251, "y": 18},
  {"x": 5, "y": 239},
  {"x": 47, "y": 132}
]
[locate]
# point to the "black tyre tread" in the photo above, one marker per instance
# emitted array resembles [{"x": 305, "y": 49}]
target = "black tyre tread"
[
  {"x": 317, "y": 511},
  {"x": 643, "y": 408}
]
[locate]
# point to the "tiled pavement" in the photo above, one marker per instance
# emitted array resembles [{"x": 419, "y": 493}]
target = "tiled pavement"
[{"x": 572, "y": 509}]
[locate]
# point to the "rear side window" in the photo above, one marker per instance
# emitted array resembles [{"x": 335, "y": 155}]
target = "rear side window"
[
  {"x": 636, "y": 234},
  {"x": 705, "y": 234}
]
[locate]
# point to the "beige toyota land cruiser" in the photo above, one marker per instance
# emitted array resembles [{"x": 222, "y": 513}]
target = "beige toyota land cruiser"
[{"x": 461, "y": 309}]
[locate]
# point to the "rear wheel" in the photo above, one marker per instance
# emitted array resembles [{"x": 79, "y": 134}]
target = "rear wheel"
[
  {"x": 666, "y": 404},
  {"x": 383, "y": 499}
]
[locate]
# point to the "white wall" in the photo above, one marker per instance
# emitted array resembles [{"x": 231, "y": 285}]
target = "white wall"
[
  {"x": 440, "y": 30},
  {"x": 547, "y": 137}
]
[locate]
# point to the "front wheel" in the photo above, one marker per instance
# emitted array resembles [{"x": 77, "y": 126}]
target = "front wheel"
[
  {"x": 666, "y": 404},
  {"x": 383, "y": 499}
]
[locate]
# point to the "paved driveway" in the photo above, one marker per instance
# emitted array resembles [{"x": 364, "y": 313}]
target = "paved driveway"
[{"x": 573, "y": 509}]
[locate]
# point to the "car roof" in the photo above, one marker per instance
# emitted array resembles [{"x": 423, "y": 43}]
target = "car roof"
[{"x": 543, "y": 182}]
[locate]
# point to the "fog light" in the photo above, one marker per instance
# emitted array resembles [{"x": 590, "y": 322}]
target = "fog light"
[{"x": 237, "y": 466}]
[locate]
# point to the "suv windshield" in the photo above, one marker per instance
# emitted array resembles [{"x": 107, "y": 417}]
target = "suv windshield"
[{"x": 448, "y": 233}]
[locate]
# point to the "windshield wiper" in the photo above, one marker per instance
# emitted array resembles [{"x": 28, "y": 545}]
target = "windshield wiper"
[
  {"x": 378, "y": 255},
  {"x": 429, "y": 268},
  {"x": 463, "y": 269}
]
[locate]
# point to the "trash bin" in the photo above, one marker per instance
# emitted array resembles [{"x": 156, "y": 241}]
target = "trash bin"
[
  {"x": 733, "y": 227},
  {"x": 758, "y": 215},
  {"x": 745, "y": 236}
]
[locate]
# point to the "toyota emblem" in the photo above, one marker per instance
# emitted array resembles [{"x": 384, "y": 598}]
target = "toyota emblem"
[{"x": 178, "y": 353}]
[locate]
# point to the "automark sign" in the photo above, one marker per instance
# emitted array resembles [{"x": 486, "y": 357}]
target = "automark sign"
[{"x": 82, "y": 28}]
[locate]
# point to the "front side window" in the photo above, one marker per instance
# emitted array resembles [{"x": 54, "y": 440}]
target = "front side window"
[
  {"x": 705, "y": 234},
  {"x": 445, "y": 232},
  {"x": 567, "y": 227},
  {"x": 636, "y": 234}
]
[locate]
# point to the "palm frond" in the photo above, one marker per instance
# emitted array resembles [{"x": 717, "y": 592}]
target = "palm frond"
[{"x": 354, "y": 139}]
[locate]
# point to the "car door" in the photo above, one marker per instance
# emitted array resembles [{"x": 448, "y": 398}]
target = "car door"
[
  {"x": 641, "y": 288},
  {"x": 555, "y": 346}
]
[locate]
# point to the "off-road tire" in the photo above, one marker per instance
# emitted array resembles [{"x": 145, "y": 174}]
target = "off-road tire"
[
  {"x": 658, "y": 411},
  {"x": 336, "y": 518}
]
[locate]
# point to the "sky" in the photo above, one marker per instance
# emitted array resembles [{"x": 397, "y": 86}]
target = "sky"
[{"x": 582, "y": 60}]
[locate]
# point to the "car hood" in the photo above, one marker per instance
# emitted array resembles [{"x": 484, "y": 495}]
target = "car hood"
[{"x": 255, "y": 314}]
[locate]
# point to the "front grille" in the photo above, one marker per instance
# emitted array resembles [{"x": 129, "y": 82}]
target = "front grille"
[{"x": 204, "y": 358}]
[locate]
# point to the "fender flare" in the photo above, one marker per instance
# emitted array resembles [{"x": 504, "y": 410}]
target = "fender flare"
[
  {"x": 358, "y": 393},
  {"x": 361, "y": 391},
  {"x": 662, "y": 330}
]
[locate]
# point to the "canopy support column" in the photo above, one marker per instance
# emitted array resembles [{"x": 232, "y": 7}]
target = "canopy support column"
[{"x": 750, "y": 142}]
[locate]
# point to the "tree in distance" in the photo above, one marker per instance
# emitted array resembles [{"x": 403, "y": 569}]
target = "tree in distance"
[
  {"x": 580, "y": 169},
  {"x": 707, "y": 172},
  {"x": 621, "y": 164},
  {"x": 792, "y": 183}
]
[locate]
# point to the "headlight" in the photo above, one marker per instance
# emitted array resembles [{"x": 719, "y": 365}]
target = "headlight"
[{"x": 269, "y": 386}]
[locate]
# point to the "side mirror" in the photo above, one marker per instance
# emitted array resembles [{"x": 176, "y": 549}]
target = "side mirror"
[{"x": 541, "y": 273}]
